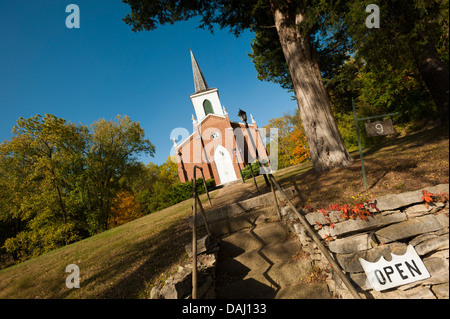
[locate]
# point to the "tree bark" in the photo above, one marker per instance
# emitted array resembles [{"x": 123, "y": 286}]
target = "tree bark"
[
  {"x": 434, "y": 73},
  {"x": 325, "y": 142}
]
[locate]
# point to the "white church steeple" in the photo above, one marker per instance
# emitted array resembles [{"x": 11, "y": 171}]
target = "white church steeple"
[{"x": 205, "y": 100}]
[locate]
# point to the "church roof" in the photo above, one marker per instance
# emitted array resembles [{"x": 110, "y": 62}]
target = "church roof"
[{"x": 199, "y": 79}]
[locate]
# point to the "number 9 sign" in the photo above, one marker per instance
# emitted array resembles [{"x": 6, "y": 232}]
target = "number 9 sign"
[{"x": 378, "y": 128}]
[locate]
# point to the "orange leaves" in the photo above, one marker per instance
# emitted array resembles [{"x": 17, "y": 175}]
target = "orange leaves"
[
  {"x": 353, "y": 212},
  {"x": 429, "y": 198},
  {"x": 348, "y": 211},
  {"x": 301, "y": 150},
  {"x": 125, "y": 209},
  {"x": 444, "y": 197}
]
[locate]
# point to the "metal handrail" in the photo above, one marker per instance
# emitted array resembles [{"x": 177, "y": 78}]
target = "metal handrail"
[
  {"x": 317, "y": 240},
  {"x": 194, "y": 226}
]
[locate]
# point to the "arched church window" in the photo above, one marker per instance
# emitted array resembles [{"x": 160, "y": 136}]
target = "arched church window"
[{"x": 207, "y": 107}]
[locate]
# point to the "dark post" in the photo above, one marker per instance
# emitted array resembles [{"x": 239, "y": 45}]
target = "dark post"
[
  {"x": 194, "y": 241},
  {"x": 359, "y": 145}
]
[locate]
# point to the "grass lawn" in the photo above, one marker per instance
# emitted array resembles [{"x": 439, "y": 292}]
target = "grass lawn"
[{"x": 125, "y": 262}]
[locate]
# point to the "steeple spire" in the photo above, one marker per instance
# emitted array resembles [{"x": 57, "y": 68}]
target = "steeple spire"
[{"x": 199, "y": 79}]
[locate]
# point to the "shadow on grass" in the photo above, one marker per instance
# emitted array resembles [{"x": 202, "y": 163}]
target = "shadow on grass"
[
  {"x": 398, "y": 165},
  {"x": 130, "y": 272}
]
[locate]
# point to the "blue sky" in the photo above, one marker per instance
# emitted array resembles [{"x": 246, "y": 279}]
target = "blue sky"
[{"x": 104, "y": 69}]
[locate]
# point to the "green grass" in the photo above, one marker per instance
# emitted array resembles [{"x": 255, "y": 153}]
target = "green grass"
[{"x": 123, "y": 262}]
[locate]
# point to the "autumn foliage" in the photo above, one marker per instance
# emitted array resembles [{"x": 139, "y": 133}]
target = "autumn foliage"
[
  {"x": 300, "y": 153},
  {"x": 124, "y": 210},
  {"x": 292, "y": 144},
  {"x": 348, "y": 211},
  {"x": 429, "y": 198}
]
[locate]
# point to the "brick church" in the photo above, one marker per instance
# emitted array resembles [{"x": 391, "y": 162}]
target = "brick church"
[{"x": 220, "y": 146}]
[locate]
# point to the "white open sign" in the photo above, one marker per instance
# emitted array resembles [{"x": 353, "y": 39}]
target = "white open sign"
[{"x": 399, "y": 271}]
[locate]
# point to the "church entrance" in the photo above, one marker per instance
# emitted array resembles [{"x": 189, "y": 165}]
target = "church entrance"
[{"x": 224, "y": 165}]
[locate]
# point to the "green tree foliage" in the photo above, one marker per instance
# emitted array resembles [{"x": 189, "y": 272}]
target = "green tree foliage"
[
  {"x": 412, "y": 41},
  {"x": 247, "y": 170},
  {"x": 158, "y": 186},
  {"x": 112, "y": 150},
  {"x": 268, "y": 59},
  {"x": 384, "y": 68},
  {"x": 58, "y": 180}
]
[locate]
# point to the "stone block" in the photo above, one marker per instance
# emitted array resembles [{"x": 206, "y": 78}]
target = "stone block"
[
  {"x": 360, "y": 280},
  {"x": 441, "y": 291},
  {"x": 359, "y": 225},
  {"x": 395, "y": 201},
  {"x": 155, "y": 293},
  {"x": 438, "y": 269},
  {"x": 351, "y": 244},
  {"x": 442, "y": 218},
  {"x": 178, "y": 286},
  {"x": 438, "y": 188},
  {"x": 203, "y": 244},
  {"x": 417, "y": 210},
  {"x": 432, "y": 244},
  {"x": 316, "y": 217},
  {"x": 286, "y": 210},
  {"x": 350, "y": 262},
  {"x": 409, "y": 228},
  {"x": 421, "y": 238},
  {"x": 415, "y": 293}
]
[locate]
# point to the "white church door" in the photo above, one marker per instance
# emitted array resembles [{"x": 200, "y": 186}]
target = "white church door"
[{"x": 224, "y": 165}]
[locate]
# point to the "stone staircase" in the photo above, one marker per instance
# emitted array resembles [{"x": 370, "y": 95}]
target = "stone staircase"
[{"x": 259, "y": 259}]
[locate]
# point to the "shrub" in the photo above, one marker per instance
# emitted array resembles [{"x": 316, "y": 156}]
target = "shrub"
[
  {"x": 246, "y": 173},
  {"x": 183, "y": 191}
]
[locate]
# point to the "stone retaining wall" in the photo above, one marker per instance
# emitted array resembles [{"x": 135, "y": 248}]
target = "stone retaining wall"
[
  {"x": 179, "y": 286},
  {"x": 400, "y": 220}
]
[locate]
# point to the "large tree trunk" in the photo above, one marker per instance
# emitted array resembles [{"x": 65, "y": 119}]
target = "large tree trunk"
[
  {"x": 434, "y": 73},
  {"x": 325, "y": 142}
]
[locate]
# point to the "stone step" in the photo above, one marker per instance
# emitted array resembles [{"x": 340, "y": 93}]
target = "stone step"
[
  {"x": 264, "y": 257},
  {"x": 281, "y": 274},
  {"x": 258, "y": 262},
  {"x": 254, "y": 238},
  {"x": 274, "y": 276},
  {"x": 242, "y": 221},
  {"x": 304, "y": 291},
  {"x": 266, "y": 283},
  {"x": 245, "y": 289}
]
